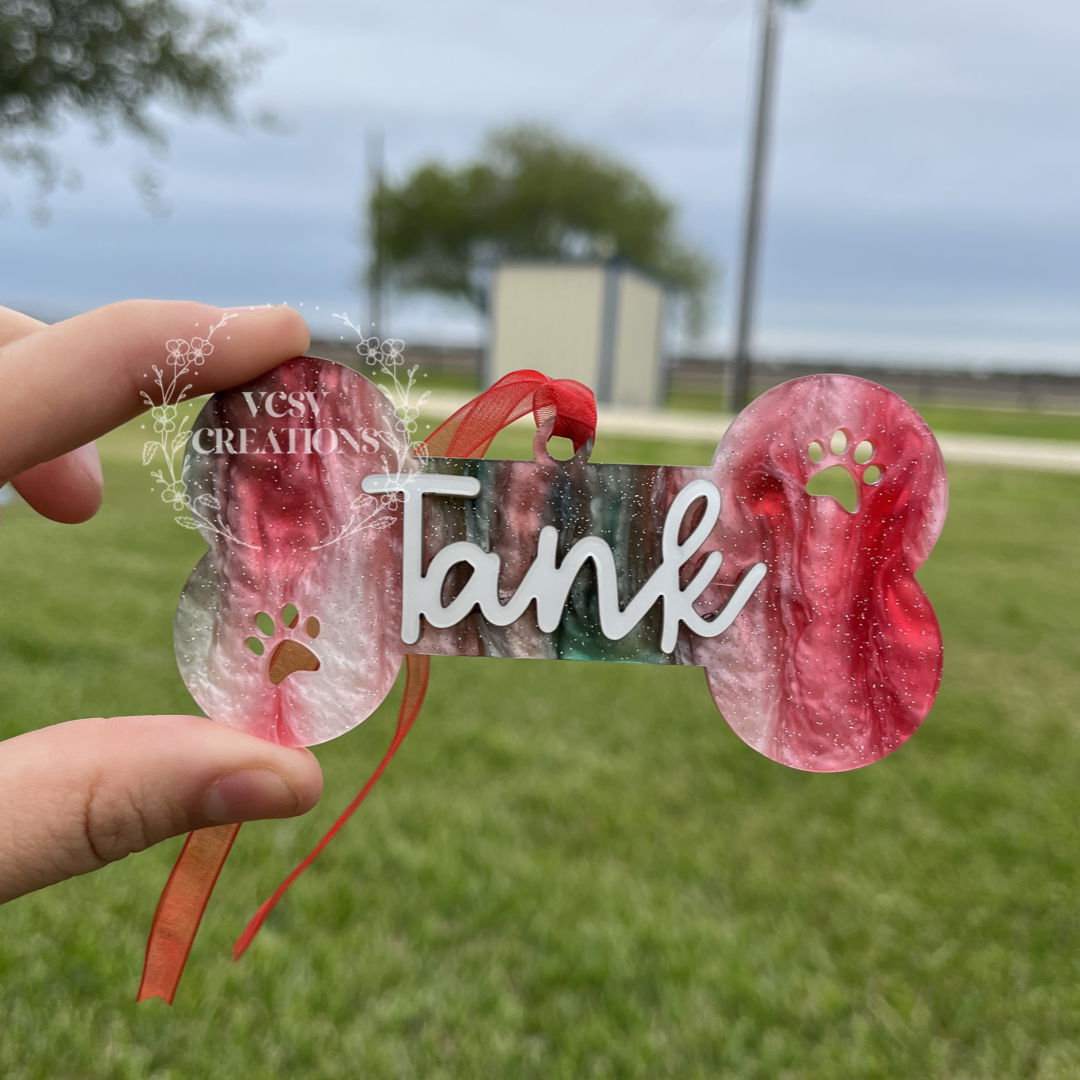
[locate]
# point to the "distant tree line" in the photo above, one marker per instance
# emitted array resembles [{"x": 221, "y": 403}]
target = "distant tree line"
[{"x": 530, "y": 194}]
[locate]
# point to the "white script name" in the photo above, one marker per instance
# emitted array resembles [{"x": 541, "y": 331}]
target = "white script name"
[{"x": 549, "y": 584}]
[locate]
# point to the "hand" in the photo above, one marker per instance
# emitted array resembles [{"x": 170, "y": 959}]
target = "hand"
[{"x": 76, "y": 796}]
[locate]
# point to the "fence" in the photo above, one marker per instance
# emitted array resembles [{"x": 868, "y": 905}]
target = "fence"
[{"x": 1035, "y": 391}]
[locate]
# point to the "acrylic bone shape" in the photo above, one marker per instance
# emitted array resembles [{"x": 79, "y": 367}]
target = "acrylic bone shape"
[{"x": 819, "y": 646}]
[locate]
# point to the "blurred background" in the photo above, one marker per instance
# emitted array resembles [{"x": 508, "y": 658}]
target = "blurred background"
[{"x": 921, "y": 208}]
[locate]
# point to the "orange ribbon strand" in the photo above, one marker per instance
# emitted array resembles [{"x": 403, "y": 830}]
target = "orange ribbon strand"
[{"x": 180, "y": 909}]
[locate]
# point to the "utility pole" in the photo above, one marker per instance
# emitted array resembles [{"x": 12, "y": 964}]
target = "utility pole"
[
  {"x": 374, "y": 145},
  {"x": 739, "y": 382}
]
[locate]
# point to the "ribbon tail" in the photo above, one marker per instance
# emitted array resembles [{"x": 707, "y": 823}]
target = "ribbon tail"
[
  {"x": 417, "y": 669},
  {"x": 180, "y": 909}
]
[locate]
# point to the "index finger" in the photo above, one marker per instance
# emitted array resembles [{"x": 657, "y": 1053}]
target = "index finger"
[
  {"x": 14, "y": 324},
  {"x": 69, "y": 383}
]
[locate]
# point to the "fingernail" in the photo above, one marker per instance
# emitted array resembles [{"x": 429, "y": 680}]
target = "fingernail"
[
  {"x": 87, "y": 457},
  {"x": 249, "y": 794}
]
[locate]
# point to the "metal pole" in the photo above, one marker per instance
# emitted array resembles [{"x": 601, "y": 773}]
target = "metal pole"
[
  {"x": 740, "y": 370},
  {"x": 375, "y": 273}
]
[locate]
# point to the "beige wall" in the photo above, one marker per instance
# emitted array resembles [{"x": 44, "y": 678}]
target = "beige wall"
[
  {"x": 638, "y": 330},
  {"x": 548, "y": 318}
]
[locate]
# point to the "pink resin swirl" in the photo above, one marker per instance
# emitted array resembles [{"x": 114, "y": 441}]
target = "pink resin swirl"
[{"x": 836, "y": 659}]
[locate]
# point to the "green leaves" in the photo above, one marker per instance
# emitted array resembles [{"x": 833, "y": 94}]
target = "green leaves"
[
  {"x": 109, "y": 62},
  {"x": 530, "y": 194}
]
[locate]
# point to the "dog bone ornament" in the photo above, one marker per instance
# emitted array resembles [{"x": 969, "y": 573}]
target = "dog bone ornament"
[{"x": 335, "y": 550}]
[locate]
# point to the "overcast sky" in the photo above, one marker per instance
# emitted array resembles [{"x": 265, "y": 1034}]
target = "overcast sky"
[{"x": 924, "y": 196}]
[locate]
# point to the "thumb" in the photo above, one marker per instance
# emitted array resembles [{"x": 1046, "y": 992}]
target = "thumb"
[{"x": 76, "y": 796}]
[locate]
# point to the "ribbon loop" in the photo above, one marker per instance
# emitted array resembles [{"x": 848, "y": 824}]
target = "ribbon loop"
[{"x": 470, "y": 431}]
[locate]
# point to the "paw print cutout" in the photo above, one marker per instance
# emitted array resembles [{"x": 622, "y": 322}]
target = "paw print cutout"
[
  {"x": 288, "y": 655},
  {"x": 846, "y": 469}
]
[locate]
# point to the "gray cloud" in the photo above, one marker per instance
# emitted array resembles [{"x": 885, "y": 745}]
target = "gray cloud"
[{"x": 924, "y": 186}]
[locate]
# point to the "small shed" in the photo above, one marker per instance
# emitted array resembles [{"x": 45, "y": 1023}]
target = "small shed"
[{"x": 601, "y": 323}]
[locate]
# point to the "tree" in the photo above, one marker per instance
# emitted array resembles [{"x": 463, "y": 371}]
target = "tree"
[
  {"x": 530, "y": 194},
  {"x": 108, "y": 62}
]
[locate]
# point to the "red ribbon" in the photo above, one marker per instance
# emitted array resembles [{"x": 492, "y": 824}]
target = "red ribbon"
[
  {"x": 468, "y": 433},
  {"x": 417, "y": 669}
]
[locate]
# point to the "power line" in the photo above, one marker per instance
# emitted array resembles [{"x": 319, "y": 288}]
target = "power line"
[
  {"x": 698, "y": 47},
  {"x": 674, "y": 19},
  {"x": 374, "y": 147}
]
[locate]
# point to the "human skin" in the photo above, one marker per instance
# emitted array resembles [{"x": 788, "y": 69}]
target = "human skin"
[{"x": 79, "y": 795}]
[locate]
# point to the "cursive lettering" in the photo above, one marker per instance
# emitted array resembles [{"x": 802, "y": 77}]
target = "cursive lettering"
[{"x": 548, "y": 583}]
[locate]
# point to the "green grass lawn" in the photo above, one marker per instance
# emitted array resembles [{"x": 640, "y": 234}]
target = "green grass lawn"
[
  {"x": 955, "y": 418},
  {"x": 1023, "y": 424},
  {"x": 578, "y": 870}
]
